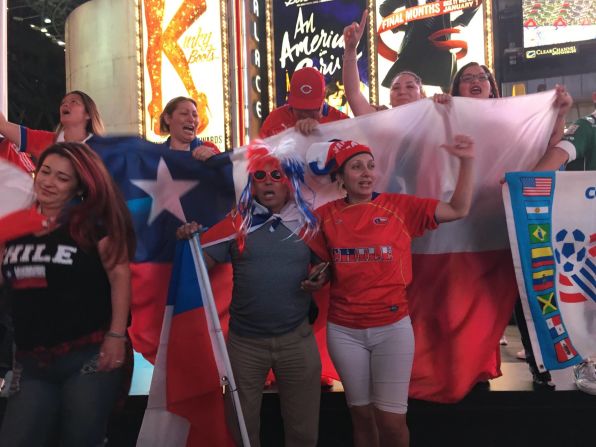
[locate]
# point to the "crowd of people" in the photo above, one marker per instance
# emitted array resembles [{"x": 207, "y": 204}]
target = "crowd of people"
[{"x": 71, "y": 358}]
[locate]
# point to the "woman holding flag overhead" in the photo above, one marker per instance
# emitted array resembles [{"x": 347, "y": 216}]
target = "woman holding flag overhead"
[
  {"x": 368, "y": 237},
  {"x": 70, "y": 292}
]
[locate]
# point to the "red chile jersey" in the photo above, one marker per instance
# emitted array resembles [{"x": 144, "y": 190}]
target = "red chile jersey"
[
  {"x": 10, "y": 152},
  {"x": 282, "y": 118},
  {"x": 370, "y": 248},
  {"x": 34, "y": 142}
]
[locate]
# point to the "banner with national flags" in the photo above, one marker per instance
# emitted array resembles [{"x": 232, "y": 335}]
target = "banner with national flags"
[
  {"x": 464, "y": 287},
  {"x": 552, "y": 226}
]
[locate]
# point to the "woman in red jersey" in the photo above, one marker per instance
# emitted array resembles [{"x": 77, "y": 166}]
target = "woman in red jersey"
[
  {"x": 80, "y": 122},
  {"x": 368, "y": 237}
]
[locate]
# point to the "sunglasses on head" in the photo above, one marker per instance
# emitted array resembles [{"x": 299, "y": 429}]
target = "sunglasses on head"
[{"x": 275, "y": 175}]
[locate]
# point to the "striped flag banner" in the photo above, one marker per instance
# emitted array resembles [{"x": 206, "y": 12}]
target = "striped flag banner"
[
  {"x": 555, "y": 262},
  {"x": 464, "y": 286}
]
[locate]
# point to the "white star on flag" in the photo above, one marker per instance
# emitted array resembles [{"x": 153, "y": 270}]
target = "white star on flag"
[{"x": 165, "y": 192}]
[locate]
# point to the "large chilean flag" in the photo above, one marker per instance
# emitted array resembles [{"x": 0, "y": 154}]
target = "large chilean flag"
[
  {"x": 464, "y": 287},
  {"x": 163, "y": 189}
]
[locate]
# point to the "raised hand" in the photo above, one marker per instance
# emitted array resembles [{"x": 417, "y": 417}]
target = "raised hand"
[
  {"x": 563, "y": 100},
  {"x": 353, "y": 32},
  {"x": 463, "y": 147}
]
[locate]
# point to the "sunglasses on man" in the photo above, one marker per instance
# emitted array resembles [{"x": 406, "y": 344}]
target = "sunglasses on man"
[{"x": 260, "y": 176}]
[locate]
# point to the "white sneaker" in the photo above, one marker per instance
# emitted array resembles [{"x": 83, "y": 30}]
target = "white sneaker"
[
  {"x": 585, "y": 376},
  {"x": 503, "y": 341},
  {"x": 5, "y": 384}
]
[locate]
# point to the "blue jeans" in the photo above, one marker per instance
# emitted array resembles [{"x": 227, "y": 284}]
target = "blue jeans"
[{"x": 65, "y": 398}]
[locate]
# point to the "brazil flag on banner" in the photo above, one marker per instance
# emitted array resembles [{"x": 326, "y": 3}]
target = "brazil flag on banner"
[{"x": 551, "y": 218}]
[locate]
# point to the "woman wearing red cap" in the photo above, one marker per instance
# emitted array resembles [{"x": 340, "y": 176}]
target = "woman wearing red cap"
[{"x": 368, "y": 238}]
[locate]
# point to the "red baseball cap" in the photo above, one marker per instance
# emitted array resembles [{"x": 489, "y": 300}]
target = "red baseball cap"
[
  {"x": 342, "y": 151},
  {"x": 307, "y": 89}
]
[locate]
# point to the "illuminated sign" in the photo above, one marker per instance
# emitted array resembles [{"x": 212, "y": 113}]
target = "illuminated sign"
[
  {"x": 257, "y": 70},
  {"x": 185, "y": 54},
  {"x": 309, "y": 33},
  {"x": 433, "y": 40},
  {"x": 555, "y": 22},
  {"x": 552, "y": 51}
]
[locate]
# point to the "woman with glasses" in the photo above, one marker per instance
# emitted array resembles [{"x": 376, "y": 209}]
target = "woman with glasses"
[{"x": 474, "y": 81}]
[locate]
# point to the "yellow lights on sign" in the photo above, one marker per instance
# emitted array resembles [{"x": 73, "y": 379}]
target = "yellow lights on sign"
[
  {"x": 185, "y": 54},
  {"x": 554, "y": 51}
]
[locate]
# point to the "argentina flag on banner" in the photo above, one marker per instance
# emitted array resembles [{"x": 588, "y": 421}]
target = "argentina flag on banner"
[{"x": 551, "y": 217}]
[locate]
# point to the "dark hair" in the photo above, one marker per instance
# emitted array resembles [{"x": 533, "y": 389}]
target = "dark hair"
[
  {"x": 333, "y": 88},
  {"x": 494, "y": 89},
  {"x": 101, "y": 210},
  {"x": 172, "y": 104},
  {"x": 95, "y": 124}
]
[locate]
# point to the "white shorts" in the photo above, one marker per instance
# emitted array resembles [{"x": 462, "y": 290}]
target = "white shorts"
[{"x": 374, "y": 364}]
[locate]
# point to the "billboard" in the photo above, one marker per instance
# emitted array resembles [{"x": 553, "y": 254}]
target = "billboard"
[
  {"x": 558, "y": 21},
  {"x": 185, "y": 54},
  {"x": 432, "y": 39},
  {"x": 558, "y": 28},
  {"x": 309, "y": 33}
]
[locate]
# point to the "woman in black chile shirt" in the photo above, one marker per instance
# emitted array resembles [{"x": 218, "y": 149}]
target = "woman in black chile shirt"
[{"x": 70, "y": 292}]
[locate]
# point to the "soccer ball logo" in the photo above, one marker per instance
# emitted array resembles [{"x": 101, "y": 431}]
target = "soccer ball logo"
[{"x": 570, "y": 250}]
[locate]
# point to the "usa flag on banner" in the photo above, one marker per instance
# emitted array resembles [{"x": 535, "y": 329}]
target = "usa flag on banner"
[{"x": 555, "y": 257}]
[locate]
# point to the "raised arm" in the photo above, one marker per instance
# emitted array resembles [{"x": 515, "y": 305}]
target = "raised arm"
[
  {"x": 10, "y": 130},
  {"x": 351, "y": 78},
  {"x": 461, "y": 200},
  {"x": 563, "y": 102},
  {"x": 554, "y": 157}
]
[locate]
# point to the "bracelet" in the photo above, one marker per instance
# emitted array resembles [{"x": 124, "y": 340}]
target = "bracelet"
[
  {"x": 349, "y": 58},
  {"x": 116, "y": 335}
]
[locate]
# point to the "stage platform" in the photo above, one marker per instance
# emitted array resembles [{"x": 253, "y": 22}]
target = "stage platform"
[{"x": 509, "y": 412}]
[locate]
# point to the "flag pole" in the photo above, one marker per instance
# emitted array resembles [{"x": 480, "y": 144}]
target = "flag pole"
[
  {"x": 220, "y": 351},
  {"x": 3, "y": 58}
]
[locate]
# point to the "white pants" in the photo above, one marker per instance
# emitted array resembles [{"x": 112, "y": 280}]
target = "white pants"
[{"x": 374, "y": 364}]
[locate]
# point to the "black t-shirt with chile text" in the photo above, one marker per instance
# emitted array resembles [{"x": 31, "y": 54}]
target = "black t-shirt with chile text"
[{"x": 59, "y": 292}]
